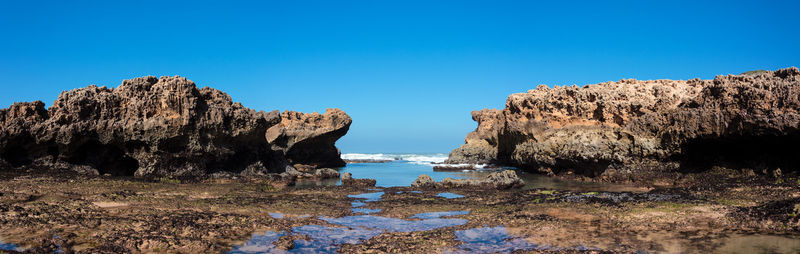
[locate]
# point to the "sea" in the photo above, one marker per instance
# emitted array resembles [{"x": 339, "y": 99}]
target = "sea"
[{"x": 401, "y": 169}]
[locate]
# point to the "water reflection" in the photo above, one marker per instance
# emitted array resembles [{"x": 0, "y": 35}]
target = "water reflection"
[
  {"x": 394, "y": 224},
  {"x": 432, "y": 215},
  {"x": 323, "y": 239},
  {"x": 413, "y": 191},
  {"x": 10, "y": 246},
  {"x": 449, "y": 195},
  {"x": 490, "y": 240},
  {"x": 368, "y": 197},
  {"x": 403, "y": 173},
  {"x": 365, "y": 210},
  {"x": 259, "y": 243}
]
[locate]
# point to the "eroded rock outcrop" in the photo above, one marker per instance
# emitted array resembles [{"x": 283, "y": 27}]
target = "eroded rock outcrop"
[
  {"x": 632, "y": 129},
  {"x": 480, "y": 145},
  {"x": 145, "y": 127},
  {"x": 348, "y": 180},
  {"x": 308, "y": 139},
  {"x": 505, "y": 179}
]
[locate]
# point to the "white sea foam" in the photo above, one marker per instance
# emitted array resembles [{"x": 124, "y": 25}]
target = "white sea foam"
[
  {"x": 410, "y": 157},
  {"x": 424, "y": 159},
  {"x": 431, "y": 159},
  {"x": 366, "y": 156}
]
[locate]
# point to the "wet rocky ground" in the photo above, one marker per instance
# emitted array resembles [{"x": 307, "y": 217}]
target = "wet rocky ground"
[{"x": 715, "y": 211}]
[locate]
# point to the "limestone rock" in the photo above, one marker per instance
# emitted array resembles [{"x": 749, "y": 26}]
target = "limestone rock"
[
  {"x": 480, "y": 145},
  {"x": 637, "y": 128},
  {"x": 346, "y": 176},
  {"x": 505, "y": 179},
  {"x": 449, "y": 182},
  {"x": 423, "y": 181},
  {"x": 326, "y": 173},
  {"x": 153, "y": 127},
  {"x": 308, "y": 139},
  {"x": 348, "y": 180}
]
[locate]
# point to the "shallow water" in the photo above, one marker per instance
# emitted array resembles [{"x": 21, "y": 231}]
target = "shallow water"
[
  {"x": 10, "y": 246},
  {"x": 432, "y": 215},
  {"x": 363, "y": 226},
  {"x": 449, "y": 195},
  {"x": 490, "y": 240},
  {"x": 368, "y": 197},
  {"x": 404, "y": 172},
  {"x": 394, "y": 224},
  {"x": 365, "y": 210},
  {"x": 259, "y": 243},
  {"x": 429, "y": 221},
  {"x": 324, "y": 239}
]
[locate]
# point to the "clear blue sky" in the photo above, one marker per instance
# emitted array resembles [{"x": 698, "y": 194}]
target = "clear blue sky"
[{"x": 408, "y": 72}]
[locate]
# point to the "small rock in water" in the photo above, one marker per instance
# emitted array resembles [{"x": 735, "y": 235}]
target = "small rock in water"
[
  {"x": 423, "y": 181},
  {"x": 326, "y": 173},
  {"x": 449, "y": 195},
  {"x": 290, "y": 171},
  {"x": 286, "y": 242},
  {"x": 348, "y": 180},
  {"x": 448, "y": 182},
  {"x": 505, "y": 179},
  {"x": 346, "y": 176},
  {"x": 499, "y": 180}
]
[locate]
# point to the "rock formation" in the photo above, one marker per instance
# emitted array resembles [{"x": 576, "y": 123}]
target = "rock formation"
[
  {"x": 505, "y": 179},
  {"x": 318, "y": 174},
  {"x": 636, "y": 129},
  {"x": 481, "y": 144},
  {"x": 348, "y": 180},
  {"x": 153, "y": 127},
  {"x": 308, "y": 139},
  {"x": 423, "y": 181}
]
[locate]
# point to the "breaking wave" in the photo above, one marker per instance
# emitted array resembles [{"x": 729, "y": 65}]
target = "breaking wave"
[{"x": 427, "y": 158}]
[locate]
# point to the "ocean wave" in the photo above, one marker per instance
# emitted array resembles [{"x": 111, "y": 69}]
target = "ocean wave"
[
  {"x": 410, "y": 157},
  {"x": 366, "y": 156},
  {"x": 425, "y": 159}
]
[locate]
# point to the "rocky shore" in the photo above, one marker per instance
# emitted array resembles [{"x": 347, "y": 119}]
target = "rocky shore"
[
  {"x": 165, "y": 127},
  {"x": 647, "y": 131},
  {"x": 711, "y": 212},
  {"x": 169, "y": 168}
]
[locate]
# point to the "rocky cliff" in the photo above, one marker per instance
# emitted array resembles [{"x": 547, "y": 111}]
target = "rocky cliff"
[
  {"x": 155, "y": 127},
  {"x": 633, "y": 129}
]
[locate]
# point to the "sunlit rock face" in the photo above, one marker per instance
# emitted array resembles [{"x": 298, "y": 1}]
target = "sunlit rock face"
[
  {"x": 308, "y": 138},
  {"x": 480, "y": 145},
  {"x": 631, "y": 128},
  {"x": 145, "y": 127}
]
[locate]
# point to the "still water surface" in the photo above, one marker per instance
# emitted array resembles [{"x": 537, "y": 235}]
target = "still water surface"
[{"x": 404, "y": 170}]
